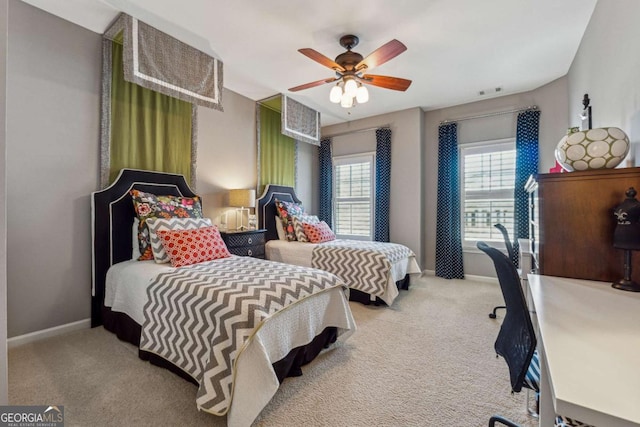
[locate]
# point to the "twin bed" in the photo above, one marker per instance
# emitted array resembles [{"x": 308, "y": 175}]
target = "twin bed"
[
  {"x": 236, "y": 326},
  {"x": 374, "y": 271}
]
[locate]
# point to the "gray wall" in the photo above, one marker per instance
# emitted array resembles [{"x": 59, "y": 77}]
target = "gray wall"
[
  {"x": 4, "y": 399},
  {"x": 53, "y": 103},
  {"x": 307, "y": 176},
  {"x": 226, "y": 152},
  {"x": 552, "y": 101},
  {"x": 52, "y": 165},
  {"x": 606, "y": 67},
  {"x": 406, "y": 224}
]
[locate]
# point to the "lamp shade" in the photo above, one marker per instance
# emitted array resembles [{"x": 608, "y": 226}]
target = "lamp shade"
[
  {"x": 336, "y": 94},
  {"x": 242, "y": 198}
]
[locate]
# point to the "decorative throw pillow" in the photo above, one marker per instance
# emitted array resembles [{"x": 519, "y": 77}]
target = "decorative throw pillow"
[
  {"x": 158, "y": 224},
  {"x": 298, "y": 220},
  {"x": 318, "y": 233},
  {"x": 286, "y": 210},
  {"x": 186, "y": 247},
  {"x": 149, "y": 205}
]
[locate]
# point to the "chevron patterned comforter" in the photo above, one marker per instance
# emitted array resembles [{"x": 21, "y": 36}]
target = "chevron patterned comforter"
[
  {"x": 363, "y": 265},
  {"x": 202, "y": 317}
]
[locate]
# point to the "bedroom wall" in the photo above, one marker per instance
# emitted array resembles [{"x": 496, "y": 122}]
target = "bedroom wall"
[
  {"x": 4, "y": 398},
  {"x": 552, "y": 101},
  {"x": 226, "y": 153},
  {"x": 406, "y": 224},
  {"x": 53, "y": 99},
  {"x": 606, "y": 67},
  {"x": 307, "y": 176}
]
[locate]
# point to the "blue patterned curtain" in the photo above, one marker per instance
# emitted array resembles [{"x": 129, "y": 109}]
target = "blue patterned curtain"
[
  {"x": 325, "y": 213},
  {"x": 526, "y": 165},
  {"x": 448, "y": 232},
  {"x": 383, "y": 184}
]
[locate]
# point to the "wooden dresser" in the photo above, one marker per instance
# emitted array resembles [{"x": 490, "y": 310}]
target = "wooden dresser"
[{"x": 573, "y": 221}]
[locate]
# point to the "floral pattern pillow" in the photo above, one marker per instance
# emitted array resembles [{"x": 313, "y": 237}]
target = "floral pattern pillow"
[
  {"x": 298, "y": 221},
  {"x": 186, "y": 247},
  {"x": 149, "y": 205},
  {"x": 318, "y": 233},
  {"x": 286, "y": 211}
]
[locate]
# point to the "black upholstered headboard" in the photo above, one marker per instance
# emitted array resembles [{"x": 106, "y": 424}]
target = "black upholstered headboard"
[
  {"x": 112, "y": 216},
  {"x": 267, "y": 207}
]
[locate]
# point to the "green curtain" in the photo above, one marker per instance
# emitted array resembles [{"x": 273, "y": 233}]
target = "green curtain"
[
  {"x": 149, "y": 130},
  {"x": 277, "y": 152}
]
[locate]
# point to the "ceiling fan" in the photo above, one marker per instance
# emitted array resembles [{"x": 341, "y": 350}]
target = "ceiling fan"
[{"x": 351, "y": 66}]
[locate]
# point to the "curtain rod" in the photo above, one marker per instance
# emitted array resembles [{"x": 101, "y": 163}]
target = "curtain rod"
[
  {"x": 349, "y": 132},
  {"x": 498, "y": 113}
]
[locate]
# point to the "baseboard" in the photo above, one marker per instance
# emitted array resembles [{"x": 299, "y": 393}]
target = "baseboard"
[
  {"x": 466, "y": 276},
  {"x": 48, "y": 333}
]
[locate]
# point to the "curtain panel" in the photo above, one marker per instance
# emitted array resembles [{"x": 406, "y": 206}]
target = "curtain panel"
[
  {"x": 527, "y": 159},
  {"x": 148, "y": 130},
  {"x": 449, "y": 263},
  {"x": 383, "y": 184},
  {"x": 325, "y": 213},
  {"x": 277, "y": 151}
]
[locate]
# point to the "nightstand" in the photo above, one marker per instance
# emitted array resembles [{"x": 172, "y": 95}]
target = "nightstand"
[{"x": 245, "y": 243}]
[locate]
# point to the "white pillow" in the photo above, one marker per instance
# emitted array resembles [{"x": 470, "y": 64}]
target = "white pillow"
[
  {"x": 135, "y": 243},
  {"x": 157, "y": 224},
  {"x": 280, "y": 229}
]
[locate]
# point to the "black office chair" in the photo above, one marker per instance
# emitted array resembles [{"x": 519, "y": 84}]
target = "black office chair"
[
  {"x": 516, "y": 341},
  {"x": 512, "y": 256}
]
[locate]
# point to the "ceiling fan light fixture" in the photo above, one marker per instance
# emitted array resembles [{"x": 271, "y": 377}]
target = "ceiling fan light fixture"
[
  {"x": 362, "y": 94},
  {"x": 346, "y": 101},
  {"x": 336, "y": 94},
  {"x": 350, "y": 87}
]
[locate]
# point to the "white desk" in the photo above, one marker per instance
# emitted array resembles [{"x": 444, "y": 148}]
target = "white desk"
[{"x": 589, "y": 345}]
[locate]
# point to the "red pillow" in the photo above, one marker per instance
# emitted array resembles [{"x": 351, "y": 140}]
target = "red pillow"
[
  {"x": 186, "y": 247},
  {"x": 318, "y": 233}
]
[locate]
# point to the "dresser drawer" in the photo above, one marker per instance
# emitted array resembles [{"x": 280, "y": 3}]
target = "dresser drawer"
[
  {"x": 256, "y": 251},
  {"x": 234, "y": 240}
]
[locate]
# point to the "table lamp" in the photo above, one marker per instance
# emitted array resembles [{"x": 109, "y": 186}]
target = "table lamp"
[
  {"x": 626, "y": 236},
  {"x": 243, "y": 200}
]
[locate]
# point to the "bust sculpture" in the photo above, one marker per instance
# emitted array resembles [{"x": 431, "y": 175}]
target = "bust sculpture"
[
  {"x": 626, "y": 236},
  {"x": 627, "y": 232}
]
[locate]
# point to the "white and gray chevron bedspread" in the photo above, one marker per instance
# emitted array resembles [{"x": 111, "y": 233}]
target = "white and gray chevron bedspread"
[
  {"x": 365, "y": 266},
  {"x": 202, "y": 318}
]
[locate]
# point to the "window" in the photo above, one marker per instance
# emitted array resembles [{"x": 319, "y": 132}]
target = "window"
[
  {"x": 353, "y": 196},
  {"x": 487, "y": 183}
]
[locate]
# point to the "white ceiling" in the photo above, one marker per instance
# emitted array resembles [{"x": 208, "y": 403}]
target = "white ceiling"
[{"x": 455, "y": 48}]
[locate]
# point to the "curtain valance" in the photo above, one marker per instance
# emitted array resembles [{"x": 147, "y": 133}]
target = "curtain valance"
[
  {"x": 300, "y": 122},
  {"x": 157, "y": 61}
]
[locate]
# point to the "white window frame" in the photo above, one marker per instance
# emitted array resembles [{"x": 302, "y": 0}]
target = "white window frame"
[
  {"x": 469, "y": 245},
  {"x": 350, "y": 159}
]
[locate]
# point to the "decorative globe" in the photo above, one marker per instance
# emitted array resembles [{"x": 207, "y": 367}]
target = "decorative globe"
[{"x": 592, "y": 149}]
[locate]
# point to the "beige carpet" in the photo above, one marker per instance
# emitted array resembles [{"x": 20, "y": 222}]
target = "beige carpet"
[{"x": 426, "y": 361}]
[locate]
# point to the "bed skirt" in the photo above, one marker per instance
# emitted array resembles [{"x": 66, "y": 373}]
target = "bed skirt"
[
  {"x": 128, "y": 330},
  {"x": 365, "y": 298}
]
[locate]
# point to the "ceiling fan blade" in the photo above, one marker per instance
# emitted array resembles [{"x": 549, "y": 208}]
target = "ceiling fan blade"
[
  {"x": 382, "y": 54},
  {"x": 393, "y": 83},
  {"x": 321, "y": 59},
  {"x": 313, "y": 84}
]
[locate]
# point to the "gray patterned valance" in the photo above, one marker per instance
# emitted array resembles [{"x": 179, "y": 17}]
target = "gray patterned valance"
[
  {"x": 157, "y": 61},
  {"x": 300, "y": 122}
]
